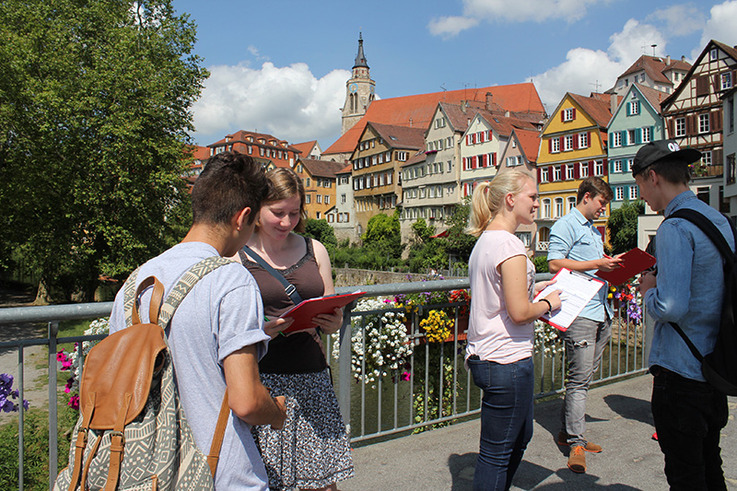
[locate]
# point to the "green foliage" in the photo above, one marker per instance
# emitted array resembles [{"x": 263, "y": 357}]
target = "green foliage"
[
  {"x": 541, "y": 264},
  {"x": 321, "y": 231},
  {"x": 36, "y": 447},
  {"x": 94, "y": 113},
  {"x": 383, "y": 236},
  {"x": 423, "y": 231},
  {"x": 622, "y": 226},
  {"x": 458, "y": 241}
]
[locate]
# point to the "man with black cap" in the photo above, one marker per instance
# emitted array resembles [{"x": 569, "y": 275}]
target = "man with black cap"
[{"x": 687, "y": 411}]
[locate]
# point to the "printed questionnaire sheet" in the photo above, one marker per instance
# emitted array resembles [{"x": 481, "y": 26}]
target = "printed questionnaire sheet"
[{"x": 576, "y": 289}]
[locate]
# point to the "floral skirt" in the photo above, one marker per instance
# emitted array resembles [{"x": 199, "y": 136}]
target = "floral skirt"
[{"x": 313, "y": 449}]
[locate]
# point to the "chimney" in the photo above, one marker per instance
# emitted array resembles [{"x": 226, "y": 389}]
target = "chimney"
[
  {"x": 683, "y": 58},
  {"x": 506, "y": 114},
  {"x": 464, "y": 105},
  {"x": 613, "y": 103},
  {"x": 667, "y": 60},
  {"x": 410, "y": 122},
  {"x": 489, "y": 100}
]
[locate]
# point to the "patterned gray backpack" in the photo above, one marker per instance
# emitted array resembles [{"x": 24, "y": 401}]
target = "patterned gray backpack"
[{"x": 132, "y": 433}]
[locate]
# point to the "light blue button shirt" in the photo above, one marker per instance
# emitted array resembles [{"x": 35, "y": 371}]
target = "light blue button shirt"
[
  {"x": 689, "y": 289},
  {"x": 574, "y": 237}
]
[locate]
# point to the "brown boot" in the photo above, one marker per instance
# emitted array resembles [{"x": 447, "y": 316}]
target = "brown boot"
[
  {"x": 590, "y": 447},
  {"x": 577, "y": 459}
]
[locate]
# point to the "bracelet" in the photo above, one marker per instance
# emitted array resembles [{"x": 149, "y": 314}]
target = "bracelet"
[{"x": 550, "y": 307}]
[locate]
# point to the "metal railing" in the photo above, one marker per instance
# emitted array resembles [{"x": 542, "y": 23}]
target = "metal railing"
[{"x": 430, "y": 388}]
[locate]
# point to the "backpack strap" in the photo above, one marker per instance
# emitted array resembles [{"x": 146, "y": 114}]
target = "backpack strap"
[
  {"x": 289, "y": 289},
  {"x": 716, "y": 237}
]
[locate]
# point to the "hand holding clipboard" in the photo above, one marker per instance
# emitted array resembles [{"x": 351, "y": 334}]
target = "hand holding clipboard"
[{"x": 576, "y": 289}]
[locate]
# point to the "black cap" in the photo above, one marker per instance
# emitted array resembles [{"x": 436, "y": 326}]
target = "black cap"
[{"x": 662, "y": 149}]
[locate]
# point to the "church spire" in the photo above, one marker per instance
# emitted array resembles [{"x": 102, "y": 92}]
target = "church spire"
[{"x": 360, "y": 57}]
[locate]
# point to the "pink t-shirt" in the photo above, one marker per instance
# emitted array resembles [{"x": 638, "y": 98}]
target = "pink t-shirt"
[{"x": 492, "y": 335}]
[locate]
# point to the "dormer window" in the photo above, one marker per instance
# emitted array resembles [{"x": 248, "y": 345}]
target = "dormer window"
[
  {"x": 714, "y": 54},
  {"x": 569, "y": 114}
]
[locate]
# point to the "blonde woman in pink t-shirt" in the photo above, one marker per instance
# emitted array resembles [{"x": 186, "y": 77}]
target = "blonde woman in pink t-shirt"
[{"x": 499, "y": 350}]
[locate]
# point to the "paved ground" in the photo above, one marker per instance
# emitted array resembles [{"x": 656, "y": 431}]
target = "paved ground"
[{"x": 618, "y": 418}]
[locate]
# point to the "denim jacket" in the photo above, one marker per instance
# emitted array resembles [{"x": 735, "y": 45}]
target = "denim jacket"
[{"x": 690, "y": 285}]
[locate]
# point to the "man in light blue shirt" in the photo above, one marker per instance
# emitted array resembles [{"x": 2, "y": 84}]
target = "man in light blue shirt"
[
  {"x": 577, "y": 245},
  {"x": 688, "y": 288}
]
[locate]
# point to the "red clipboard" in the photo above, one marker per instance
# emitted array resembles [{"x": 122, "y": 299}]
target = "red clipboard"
[
  {"x": 633, "y": 262},
  {"x": 307, "y": 309}
]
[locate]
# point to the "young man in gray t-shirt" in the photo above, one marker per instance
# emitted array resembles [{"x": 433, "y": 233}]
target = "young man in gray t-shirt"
[{"x": 216, "y": 336}]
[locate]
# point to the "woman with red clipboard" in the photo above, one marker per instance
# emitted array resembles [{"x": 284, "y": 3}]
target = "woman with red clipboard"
[
  {"x": 500, "y": 333},
  {"x": 312, "y": 451}
]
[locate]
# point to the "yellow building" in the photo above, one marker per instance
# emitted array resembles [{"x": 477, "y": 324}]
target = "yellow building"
[{"x": 573, "y": 146}]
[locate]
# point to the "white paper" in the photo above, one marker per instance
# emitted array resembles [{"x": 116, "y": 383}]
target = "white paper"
[{"x": 576, "y": 289}]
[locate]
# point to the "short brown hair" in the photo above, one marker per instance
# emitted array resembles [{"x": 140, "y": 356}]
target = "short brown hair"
[
  {"x": 283, "y": 184},
  {"x": 595, "y": 186},
  {"x": 229, "y": 183},
  {"x": 675, "y": 171}
]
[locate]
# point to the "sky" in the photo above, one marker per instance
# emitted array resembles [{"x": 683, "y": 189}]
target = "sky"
[{"x": 280, "y": 67}]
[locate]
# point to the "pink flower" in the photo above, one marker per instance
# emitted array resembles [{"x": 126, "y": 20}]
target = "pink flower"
[
  {"x": 405, "y": 376},
  {"x": 74, "y": 402},
  {"x": 61, "y": 356}
]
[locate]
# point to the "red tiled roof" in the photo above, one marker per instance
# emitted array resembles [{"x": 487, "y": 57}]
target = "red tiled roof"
[
  {"x": 400, "y": 136},
  {"x": 529, "y": 142},
  {"x": 322, "y": 168},
  {"x": 418, "y": 157},
  {"x": 346, "y": 170},
  {"x": 416, "y": 111},
  {"x": 241, "y": 135},
  {"x": 304, "y": 148},
  {"x": 654, "y": 97},
  {"x": 199, "y": 152},
  {"x": 655, "y": 67},
  {"x": 597, "y": 107}
]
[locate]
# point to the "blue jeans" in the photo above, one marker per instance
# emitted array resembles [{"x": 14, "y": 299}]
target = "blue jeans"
[
  {"x": 585, "y": 341},
  {"x": 688, "y": 417},
  {"x": 506, "y": 419}
]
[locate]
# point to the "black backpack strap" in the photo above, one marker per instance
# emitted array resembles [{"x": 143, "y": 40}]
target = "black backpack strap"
[
  {"x": 289, "y": 289},
  {"x": 716, "y": 237}
]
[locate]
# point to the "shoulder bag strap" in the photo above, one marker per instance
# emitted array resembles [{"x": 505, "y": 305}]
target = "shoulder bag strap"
[
  {"x": 716, "y": 237},
  {"x": 289, "y": 289}
]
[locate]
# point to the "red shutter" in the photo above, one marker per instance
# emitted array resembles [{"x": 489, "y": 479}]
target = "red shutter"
[
  {"x": 560, "y": 143},
  {"x": 591, "y": 167},
  {"x": 490, "y": 135},
  {"x": 550, "y": 145},
  {"x": 575, "y": 142},
  {"x": 464, "y": 163},
  {"x": 539, "y": 175},
  {"x": 493, "y": 158},
  {"x": 574, "y": 113},
  {"x": 562, "y": 112},
  {"x": 605, "y": 161},
  {"x": 576, "y": 171}
]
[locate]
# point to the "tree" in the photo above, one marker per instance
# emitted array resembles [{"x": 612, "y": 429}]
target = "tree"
[
  {"x": 321, "y": 231},
  {"x": 428, "y": 252},
  {"x": 383, "y": 235},
  {"x": 622, "y": 226},
  {"x": 95, "y": 104},
  {"x": 460, "y": 242}
]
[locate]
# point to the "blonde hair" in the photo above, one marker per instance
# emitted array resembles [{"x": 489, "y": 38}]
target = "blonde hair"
[
  {"x": 284, "y": 183},
  {"x": 488, "y": 198}
]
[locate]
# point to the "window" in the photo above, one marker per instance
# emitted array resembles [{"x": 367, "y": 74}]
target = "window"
[
  {"x": 616, "y": 139},
  {"x": 619, "y": 193},
  {"x": 706, "y": 157},
  {"x": 556, "y": 173},
  {"x": 633, "y": 193},
  {"x": 647, "y": 134},
  {"x": 599, "y": 168},
  {"x": 628, "y": 165},
  {"x": 680, "y": 127},
  {"x": 568, "y": 114},
  {"x": 583, "y": 169},
  {"x": 583, "y": 140},
  {"x": 569, "y": 171},
  {"x": 726, "y": 80},
  {"x": 558, "y": 207},
  {"x": 568, "y": 143},
  {"x": 617, "y": 166},
  {"x": 704, "y": 123},
  {"x": 546, "y": 208},
  {"x": 554, "y": 145},
  {"x": 633, "y": 108},
  {"x": 327, "y": 199},
  {"x": 571, "y": 200},
  {"x": 714, "y": 54},
  {"x": 730, "y": 114},
  {"x": 402, "y": 156},
  {"x": 343, "y": 199},
  {"x": 317, "y": 215},
  {"x": 544, "y": 175},
  {"x": 631, "y": 137},
  {"x": 308, "y": 199}
]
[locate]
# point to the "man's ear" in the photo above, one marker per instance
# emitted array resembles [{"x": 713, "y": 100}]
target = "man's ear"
[{"x": 241, "y": 218}]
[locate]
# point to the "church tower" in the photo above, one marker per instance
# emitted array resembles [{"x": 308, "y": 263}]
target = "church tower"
[{"x": 359, "y": 90}]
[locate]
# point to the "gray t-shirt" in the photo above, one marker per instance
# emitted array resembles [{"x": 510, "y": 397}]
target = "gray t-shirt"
[{"x": 222, "y": 314}]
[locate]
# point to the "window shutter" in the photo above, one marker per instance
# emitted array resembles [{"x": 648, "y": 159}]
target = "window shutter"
[
  {"x": 591, "y": 167},
  {"x": 560, "y": 143},
  {"x": 464, "y": 163},
  {"x": 629, "y": 106},
  {"x": 605, "y": 161},
  {"x": 611, "y": 137},
  {"x": 702, "y": 85},
  {"x": 490, "y": 135},
  {"x": 717, "y": 157},
  {"x": 638, "y": 135},
  {"x": 493, "y": 159},
  {"x": 576, "y": 171},
  {"x": 562, "y": 117},
  {"x": 671, "y": 129},
  {"x": 539, "y": 175},
  {"x": 550, "y": 145},
  {"x": 575, "y": 142},
  {"x": 691, "y": 127},
  {"x": 573, "y": 114},
  {"x": 716, "y": 120}
]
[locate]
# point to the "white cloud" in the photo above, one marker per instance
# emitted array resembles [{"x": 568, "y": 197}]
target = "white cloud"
[
  {"x": 287, "y": 102},
  {"x": 679, "y": 20},
  {"x": 720, "y": 26},
  {"x": 585, "y": 69},
  {"x": 504, "y": 11},
  {"x": 448, "y": 27}
]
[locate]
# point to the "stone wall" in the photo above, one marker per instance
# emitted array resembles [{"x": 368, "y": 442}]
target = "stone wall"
[{"x": 358, "y": 277}]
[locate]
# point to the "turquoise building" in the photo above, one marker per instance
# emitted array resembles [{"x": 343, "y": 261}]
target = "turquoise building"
[{"x": 636, "y": 121}]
